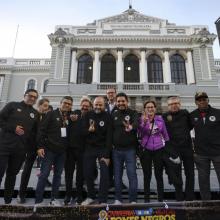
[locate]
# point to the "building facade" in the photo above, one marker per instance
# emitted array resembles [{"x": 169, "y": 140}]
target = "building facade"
[{"x": 146, "y": 57}]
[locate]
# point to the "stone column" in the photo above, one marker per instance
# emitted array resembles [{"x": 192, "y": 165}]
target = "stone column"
[
  {"x": 1, "y": 85},
  {"x": 73, "y": 70},
  {"x": 95, "y": 76},
  {"x": 119, "y": 71},
  {"x": 166, "y": 68},
  {"x": 190, "y": 73},
  {"x": 143, "y": 67}
]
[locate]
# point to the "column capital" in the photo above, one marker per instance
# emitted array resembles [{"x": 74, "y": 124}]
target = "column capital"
[
  {"x": 166, "y": 49},
  {"x": 74, "y": 49},
  {"x": 143, "y": 49},
  {"x": 120, "y": 49},
  {"x": 96, "y": 49},
  {"x": 189, "y": 50}
]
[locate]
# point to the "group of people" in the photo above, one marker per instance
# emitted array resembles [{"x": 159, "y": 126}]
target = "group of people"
[{"x": 108, "y": 131}]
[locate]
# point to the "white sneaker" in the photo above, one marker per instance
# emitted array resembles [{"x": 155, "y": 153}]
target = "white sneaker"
[
  {"x": 87, "y": 201},
  {"x": 55, "y": 202},
  {"x": 117, "y": 202},
  {"x": 133, "y": 202}
]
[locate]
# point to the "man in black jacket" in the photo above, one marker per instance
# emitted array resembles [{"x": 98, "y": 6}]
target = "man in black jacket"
[
  {"x": 98, "y": 136},
  {"x": 52, "y": 144},
  {"x": 179, "y": 146},
  {"x": 75, "y": 152},
  {"x": 206, "y": 123},
  {"x": 43, "y": 105},
  {"x": 18, "y": 121},
  {"x": 125, "y": 123}
]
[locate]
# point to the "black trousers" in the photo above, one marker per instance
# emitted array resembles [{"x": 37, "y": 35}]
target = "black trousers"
[
  {"x": 203, "y": 164},
  {"x": 90, "y": 158},
  {"x": 74, "y": 161},
  {"x": 147, "y": 158},
  {"x": 28, "y": 164},
  {"x": 174, "y": 172},
  {"x": 10, "y": 162}
]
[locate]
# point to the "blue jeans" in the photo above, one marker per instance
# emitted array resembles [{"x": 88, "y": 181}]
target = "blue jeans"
[
  {"x": 57, "y": 160},
  {"x": 129, "y": 158}
]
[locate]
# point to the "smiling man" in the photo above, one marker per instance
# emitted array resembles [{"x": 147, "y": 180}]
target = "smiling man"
[
  {"x": 206, "y": 123},
  {"x": 18, "y": 121}
]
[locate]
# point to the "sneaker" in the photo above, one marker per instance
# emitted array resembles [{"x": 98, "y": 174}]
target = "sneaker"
[
  {"x": 87, "y": 201},
  {"x": 117, "y": 202},
  {"x": 40, "y": 204},
  {"x": 133, "y": 202},
  {"x": 20, "y": 200},
  {"x": 67, "y": 200},
  {"x": 55, "y": 202}
]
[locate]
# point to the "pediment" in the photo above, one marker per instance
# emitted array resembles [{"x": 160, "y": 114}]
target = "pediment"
[{"x": 131, "y": 16}]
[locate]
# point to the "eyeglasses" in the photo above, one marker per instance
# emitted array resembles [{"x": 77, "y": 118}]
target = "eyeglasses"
[
  {"x": 67, "y": 103},
  {"x": 174, "y": 103},
  {"x": 32, "y": 96}
]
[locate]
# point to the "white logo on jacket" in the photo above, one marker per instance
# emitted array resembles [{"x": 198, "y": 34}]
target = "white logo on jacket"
[
  {"x": 212, "y": 118},
  {"x": 32, "y": 115}
]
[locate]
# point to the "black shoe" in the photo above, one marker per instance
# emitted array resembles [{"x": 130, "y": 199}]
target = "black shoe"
[
  {"x": 48, "y": 183},
  {"x": 79, "y": 200},
  {"x": 21, "y": 200},
  {"x": 67, "y": 200},
  {"x": 8, "y": 201}
]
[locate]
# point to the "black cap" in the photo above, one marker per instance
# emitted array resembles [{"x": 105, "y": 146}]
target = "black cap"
[{"x": 199, "y": 95}]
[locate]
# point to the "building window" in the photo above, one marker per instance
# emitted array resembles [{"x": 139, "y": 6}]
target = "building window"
[
  {"x": 45, "y": 85},
  {"x": 155, "y": 69},
  {"x": 131, "y": 69},
  {"x": 178, "y": 69},
  {"x": 31, "y": 84},
  {"x": 84, "y": 71},
  {"x": 108, "y": 69},
  {"x": 1, "y": 85}
]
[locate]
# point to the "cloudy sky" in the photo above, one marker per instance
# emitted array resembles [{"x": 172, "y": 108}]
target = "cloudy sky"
[{"x": 37, "y": 19}]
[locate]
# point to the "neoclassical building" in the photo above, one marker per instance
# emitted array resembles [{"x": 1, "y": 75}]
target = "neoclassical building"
[{"x": 146, "y": 57}]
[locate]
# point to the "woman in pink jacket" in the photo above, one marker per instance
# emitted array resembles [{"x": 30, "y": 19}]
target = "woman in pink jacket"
[{"x": 153, "y": 135}]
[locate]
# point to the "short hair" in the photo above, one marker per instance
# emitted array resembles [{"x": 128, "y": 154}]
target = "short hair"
[
  {"x": 150, "y": 101},
  {"x": 122, "y": 94},
  {"x": 112, "y": 88},
  {"x": 42, "y": 101},
  {"x": 30, "y": 90},
  {"x": 173, "y": 98},
  {"x": 50, "y": 107},
  {"x": 85, "y": 99},
  {"x": 68, "y": 98}
]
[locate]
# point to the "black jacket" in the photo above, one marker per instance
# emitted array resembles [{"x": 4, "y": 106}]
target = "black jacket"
[
  {"x": 12, "y": 115},
  {"x": 207, "y": 131},
  {"x": 178, "y": 126},
  {"x": 76, "y": 137},
  {"x": 102, "y": 137},
  {"x": 122, "y": 139},
  {"x": 49, "y": 133}
]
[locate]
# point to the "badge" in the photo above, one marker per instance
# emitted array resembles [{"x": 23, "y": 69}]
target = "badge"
[
  {"x": 169, "y": 118},
  {"x": 58, "y": 119},
  {"x": 196, "y": 119},
  {"x": 127, "y": 118},
  {"x": 101, "y": 123},
  {"x": 212, "y": 118},
  {"x": 32, "y": 115},
  {"x": 19, "y": 110},
  {"x": 63, "y": 132},
  {"x": 116, "y": 118}
]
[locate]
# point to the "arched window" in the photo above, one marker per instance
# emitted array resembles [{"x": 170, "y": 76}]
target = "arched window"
[
  {"x": 155, "y": 69},
  {"x": 84, "y": 71},
  {"x": 178, "y": 69},
  {"x": 131, "y": 69},
  {"x": 31, "y": 84},
  {"x": 45, "y": 85},
  {"x": 108, "y": 69}
]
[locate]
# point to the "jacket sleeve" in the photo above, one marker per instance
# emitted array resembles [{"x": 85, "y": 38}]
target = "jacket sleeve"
[
  {"x": 135, "y": 120},
  {"x": 164, "y": 132},
  {"x": 109, "y": 138},
  {"x": 4, "y": 115},
  {"x": 42, "y": 131}
]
